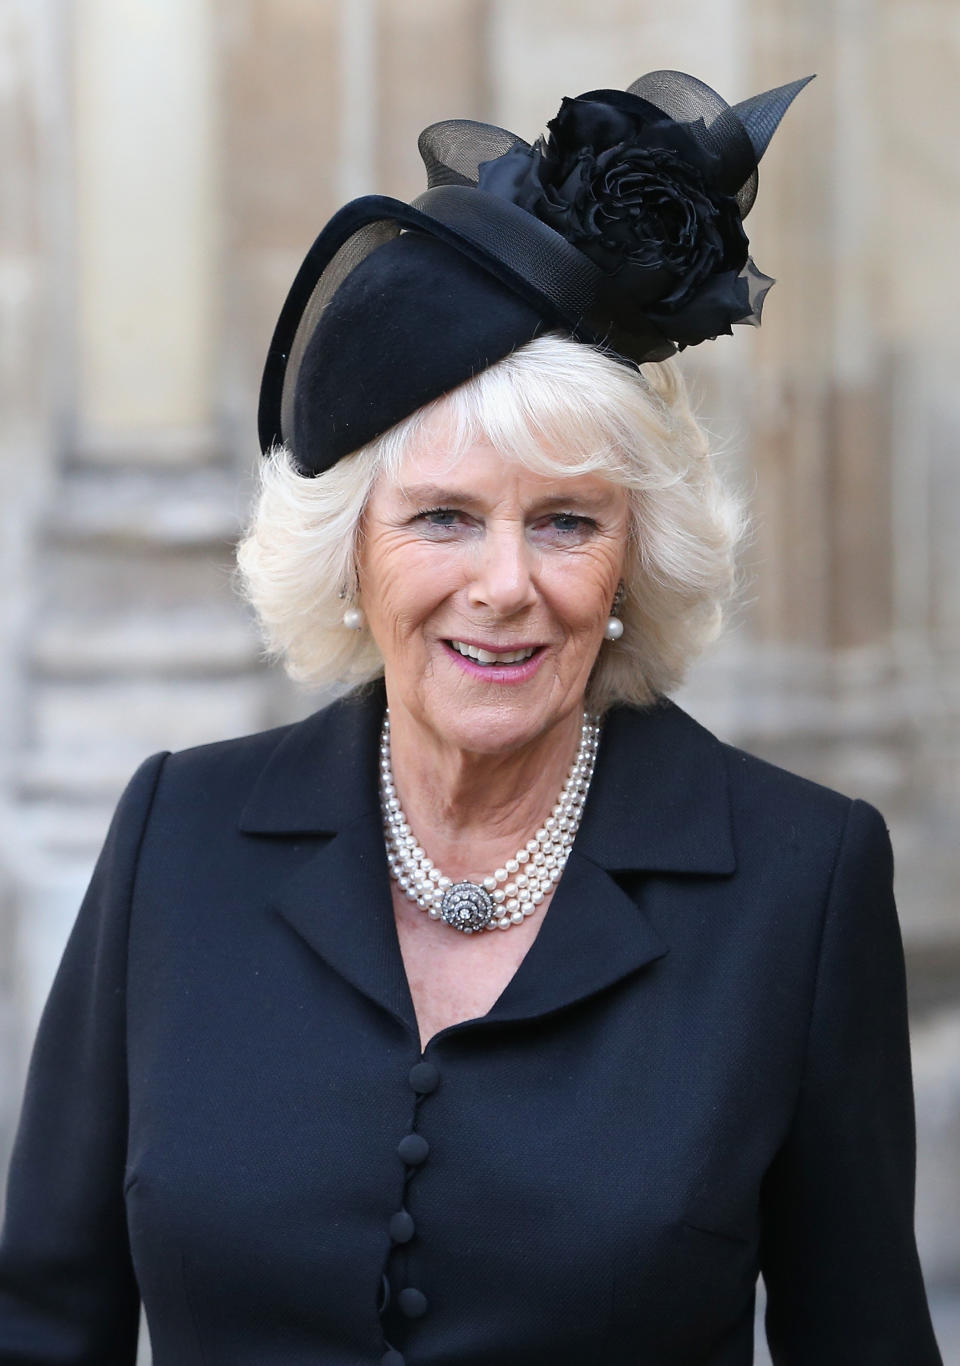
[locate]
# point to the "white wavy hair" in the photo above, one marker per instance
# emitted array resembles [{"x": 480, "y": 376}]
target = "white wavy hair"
[{"x": 560, "y": 408}]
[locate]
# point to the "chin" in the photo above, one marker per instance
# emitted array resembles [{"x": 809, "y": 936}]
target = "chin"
[{"x": 498, "y": 725}]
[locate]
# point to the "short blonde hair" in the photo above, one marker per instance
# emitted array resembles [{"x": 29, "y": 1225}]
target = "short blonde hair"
[{"x": 559, "y": 407}]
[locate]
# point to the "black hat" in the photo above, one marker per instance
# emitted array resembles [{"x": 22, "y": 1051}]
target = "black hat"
[{"x": 623, "y": 228}]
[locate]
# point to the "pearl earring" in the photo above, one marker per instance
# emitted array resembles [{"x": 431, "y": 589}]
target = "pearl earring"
[
  {"x": 353, "y": 618},
  {"x": 614, "y": 627}
]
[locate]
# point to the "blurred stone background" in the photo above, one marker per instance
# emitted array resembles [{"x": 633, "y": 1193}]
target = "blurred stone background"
[{"x": 163, "y": 166}]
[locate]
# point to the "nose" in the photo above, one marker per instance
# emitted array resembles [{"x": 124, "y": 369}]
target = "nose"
[{"x": 502, "y": 578}]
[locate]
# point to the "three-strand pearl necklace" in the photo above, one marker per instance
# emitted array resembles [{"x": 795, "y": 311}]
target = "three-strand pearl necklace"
[{"x": 511, "y": 893}]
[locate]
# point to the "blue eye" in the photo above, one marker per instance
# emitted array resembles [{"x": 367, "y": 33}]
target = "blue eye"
[
  {"x": 439, "y": 516},
  {"x": 571, "y": 524}
]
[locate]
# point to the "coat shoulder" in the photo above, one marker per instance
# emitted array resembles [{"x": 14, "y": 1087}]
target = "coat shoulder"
[
  {"x": 233, "y": 755},
  {"x": 765, "y": 796},
  {"x": 752, "y": 782},
  {"x": 754, "y": 778},
  {"x": 277, "y": 777}
]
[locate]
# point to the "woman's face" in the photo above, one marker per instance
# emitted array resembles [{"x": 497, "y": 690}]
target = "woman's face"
[{"x": 487, "y": 588}]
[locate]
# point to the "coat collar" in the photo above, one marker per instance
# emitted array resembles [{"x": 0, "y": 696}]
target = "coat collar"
[{"x": 658, "y": 803}]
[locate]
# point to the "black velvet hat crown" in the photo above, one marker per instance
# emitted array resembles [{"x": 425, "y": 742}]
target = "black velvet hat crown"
[{"x": 623, "y": 228}]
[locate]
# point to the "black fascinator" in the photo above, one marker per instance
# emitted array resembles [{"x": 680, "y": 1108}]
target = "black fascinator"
[{"x": 622, "y": 227}]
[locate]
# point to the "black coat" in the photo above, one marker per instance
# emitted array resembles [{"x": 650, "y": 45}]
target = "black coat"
[{"x": 699, "y": 1070}]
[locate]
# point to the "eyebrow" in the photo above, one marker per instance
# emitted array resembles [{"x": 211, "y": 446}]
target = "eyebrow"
[{"x": 436, "y": 495}]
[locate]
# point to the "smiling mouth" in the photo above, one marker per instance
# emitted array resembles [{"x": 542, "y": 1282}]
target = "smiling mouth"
[{"x": 491, "y": 657}]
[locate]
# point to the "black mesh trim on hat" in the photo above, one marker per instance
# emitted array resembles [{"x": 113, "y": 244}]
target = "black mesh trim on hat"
[
  {"x": 758, "y": 286},
  {"x": 530, "y": 249},
  {"x": 453, "y": 149},
  {"x": 761, "y": 114},
  {"x": 710, "y": 120},
  {"x": 739, "y": 134}
]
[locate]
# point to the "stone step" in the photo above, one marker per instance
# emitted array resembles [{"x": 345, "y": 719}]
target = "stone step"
[
  {"x": 88, "y": 737},
  {"x": 756, "y": 694},
  {"x": 55, "y": 834},
  {"x": 149, "y": 507},
  {"x": 187, "y": 642}
]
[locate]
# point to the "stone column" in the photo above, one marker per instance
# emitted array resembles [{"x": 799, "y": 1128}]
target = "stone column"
[
  {"x": 147, "y": 229},
  {"x": 35, "y": 364}
]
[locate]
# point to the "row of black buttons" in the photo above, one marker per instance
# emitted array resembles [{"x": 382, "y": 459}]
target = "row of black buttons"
[{"x": 413, "y": 1150}]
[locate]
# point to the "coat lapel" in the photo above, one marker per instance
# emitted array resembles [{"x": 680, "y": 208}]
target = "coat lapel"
[
  {"x": 339, "y": 903},
  {"x": 659, "y": 801},
  {"x": 592, "y": 936},
  {"x": 658, "y": 804},
  {"x": 320, "y": 783}
]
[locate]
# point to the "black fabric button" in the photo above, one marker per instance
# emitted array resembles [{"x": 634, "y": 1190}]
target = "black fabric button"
[
  {"x": 412, "y": 1302},
  {"x": 413, "y": 1149},
  {"x": 424, "y": 1078},
  {"x": 392, "y": 1358},
  {"x": 384, "y": 1302},
  {"x": 402, "y": 1227}
]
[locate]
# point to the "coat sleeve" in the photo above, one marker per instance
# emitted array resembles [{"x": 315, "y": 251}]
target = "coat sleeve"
[
  {"x": 838, "y": 1253},
  {"x": 68, "y": 1296}
]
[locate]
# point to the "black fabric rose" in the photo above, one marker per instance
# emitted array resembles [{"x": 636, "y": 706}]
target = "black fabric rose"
[{"x": 642, "y": 196}]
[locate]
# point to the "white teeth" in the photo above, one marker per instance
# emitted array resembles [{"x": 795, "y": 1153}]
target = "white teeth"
[{"x": 489, "y": 657}]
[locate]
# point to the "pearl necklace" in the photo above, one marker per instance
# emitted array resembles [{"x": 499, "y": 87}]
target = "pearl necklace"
[{"x": 510, "y": 894}]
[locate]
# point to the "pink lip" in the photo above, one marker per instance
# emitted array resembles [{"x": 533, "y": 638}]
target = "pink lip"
[{"x": 497, "y": 673}]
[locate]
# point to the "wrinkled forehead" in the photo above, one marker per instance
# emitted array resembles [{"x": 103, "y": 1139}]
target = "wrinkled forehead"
[{"x": 442, "y": 465}]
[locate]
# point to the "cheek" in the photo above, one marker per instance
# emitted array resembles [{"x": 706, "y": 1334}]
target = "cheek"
[
  {"x": 403, "y": 585},
  {"x": 582, "y": 594}
]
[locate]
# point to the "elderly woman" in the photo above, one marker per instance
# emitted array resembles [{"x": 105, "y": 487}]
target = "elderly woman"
[{"x": 497, "y": 1012}]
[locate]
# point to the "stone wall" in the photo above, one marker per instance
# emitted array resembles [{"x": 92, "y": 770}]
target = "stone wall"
[{"x": 163, "y": 169}]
